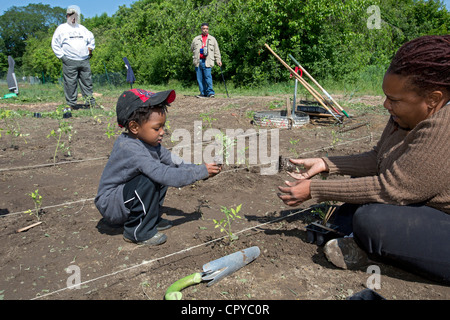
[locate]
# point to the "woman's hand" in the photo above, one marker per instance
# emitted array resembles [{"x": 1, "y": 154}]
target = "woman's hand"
[
  {"x": 312, "y": 167},
  {"x": 296, "y": 192}
]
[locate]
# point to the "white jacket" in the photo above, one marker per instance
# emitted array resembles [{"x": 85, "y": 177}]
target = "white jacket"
[{"x": 72, "y": 42}]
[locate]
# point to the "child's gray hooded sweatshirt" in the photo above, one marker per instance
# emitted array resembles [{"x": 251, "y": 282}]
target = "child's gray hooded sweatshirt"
[{"x": 131, "y": 157}]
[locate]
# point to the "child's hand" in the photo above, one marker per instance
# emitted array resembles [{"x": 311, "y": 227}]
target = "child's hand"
[{"x": 213, "y": 168}]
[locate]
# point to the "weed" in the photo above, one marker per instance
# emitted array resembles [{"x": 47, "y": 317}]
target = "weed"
[{"x": 225, "y": 223}]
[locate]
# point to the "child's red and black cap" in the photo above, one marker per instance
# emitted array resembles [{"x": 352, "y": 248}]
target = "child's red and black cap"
[{"x": 131, "y": 100}]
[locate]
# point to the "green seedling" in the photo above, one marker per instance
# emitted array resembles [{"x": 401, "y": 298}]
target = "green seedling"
[
  {"x": 208, "y": 118},
  {"x": 112, "y": 131},
  {"x": 293, "y": 143},
  {"x": 225, "y": 223},
  {"x": 64, "y": 130},
  {"x": 12, "y": 125},
  {"x": 227, "y": 145},
  {"x": 37, "y": 199},
  {"x": 336, "y": 139}
]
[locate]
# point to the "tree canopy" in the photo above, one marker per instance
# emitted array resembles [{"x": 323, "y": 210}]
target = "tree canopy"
[{"x": 18, "y": 24}]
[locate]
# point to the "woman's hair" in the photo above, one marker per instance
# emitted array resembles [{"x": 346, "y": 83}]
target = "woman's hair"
[
  {"x": 426, "y": 61},
  {"x": 142, "y": 114}
]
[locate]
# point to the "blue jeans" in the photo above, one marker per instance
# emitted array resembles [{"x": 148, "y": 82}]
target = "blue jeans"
[{"x": 204, "y": 79}]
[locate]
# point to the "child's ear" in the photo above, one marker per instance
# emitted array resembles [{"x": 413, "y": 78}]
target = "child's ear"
[{"x": 133, "y": 127}]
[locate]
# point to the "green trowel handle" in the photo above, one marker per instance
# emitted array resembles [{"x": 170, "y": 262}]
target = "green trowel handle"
[{"x": 173, "y": 292}]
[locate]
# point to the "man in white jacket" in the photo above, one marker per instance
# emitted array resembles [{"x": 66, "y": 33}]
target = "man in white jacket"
[{"x": 73, "y": 44}]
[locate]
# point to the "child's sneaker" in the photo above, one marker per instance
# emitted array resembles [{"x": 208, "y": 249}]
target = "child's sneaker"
[
  {"x": 157, "y": 239},
  {"x": 164, "y": 224},
  {"x": 344, "y": 253}
]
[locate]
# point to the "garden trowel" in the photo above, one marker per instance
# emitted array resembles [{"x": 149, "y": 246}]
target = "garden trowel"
[{"x": 214, "y": 271}]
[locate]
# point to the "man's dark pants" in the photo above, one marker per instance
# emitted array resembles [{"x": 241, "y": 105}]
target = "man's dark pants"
[{"x": 75, "y": 71}]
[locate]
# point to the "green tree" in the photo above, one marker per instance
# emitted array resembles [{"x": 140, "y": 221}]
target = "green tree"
[{"x": 18, "y": 24}]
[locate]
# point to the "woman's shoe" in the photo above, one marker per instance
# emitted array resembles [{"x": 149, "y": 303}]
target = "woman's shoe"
[{"x": 344, "y": 253}]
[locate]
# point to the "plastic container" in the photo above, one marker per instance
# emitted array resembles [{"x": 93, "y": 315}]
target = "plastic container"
[
  {"x": 319, "y": 235},
  {"x": 311, "y": 107}
]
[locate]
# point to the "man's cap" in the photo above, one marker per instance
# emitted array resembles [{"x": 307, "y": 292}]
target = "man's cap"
[
  {"x": 131, "y": 100},
  {"x": 73, "y": 9}
]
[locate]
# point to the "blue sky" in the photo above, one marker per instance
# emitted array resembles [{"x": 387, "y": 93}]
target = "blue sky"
[{"x": 89, "y": 8}]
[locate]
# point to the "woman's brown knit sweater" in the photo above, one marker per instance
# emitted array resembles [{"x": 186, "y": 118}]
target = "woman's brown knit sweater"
[{"x": 405, "y": 167}]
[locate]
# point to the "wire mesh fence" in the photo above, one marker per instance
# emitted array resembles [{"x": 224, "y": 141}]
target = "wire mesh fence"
[{"x": 108, "y": 78}]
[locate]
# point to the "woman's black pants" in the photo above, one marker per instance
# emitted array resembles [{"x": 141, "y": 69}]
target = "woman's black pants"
[{"x": 415, "y": 238}]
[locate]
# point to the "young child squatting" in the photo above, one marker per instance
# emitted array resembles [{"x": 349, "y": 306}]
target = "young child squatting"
[{"x": 139, "y": 171}]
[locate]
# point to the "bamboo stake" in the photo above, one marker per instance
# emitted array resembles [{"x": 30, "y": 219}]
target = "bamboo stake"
[
  {"x": 320, "y": 87},
  {"x": 328, "y": 215},
  {"x": 303, "y": 82},
  {"x": 29, "y": 227}
]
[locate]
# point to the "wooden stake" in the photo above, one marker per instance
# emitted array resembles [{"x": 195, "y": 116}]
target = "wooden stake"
[
  {"x": 328, "y": 215},
  {"x": 29, "y": 227}
]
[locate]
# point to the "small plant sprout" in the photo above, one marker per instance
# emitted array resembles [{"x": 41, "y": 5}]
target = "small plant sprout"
[
  {"x": 12, "y": 125},
  {"x": 336, "y": 139},
  {"x": 37, "y": 199},
  {"x": 227, "y": 144},
  {"x": 293, "y": 149},
  {"x": 112, "y": 129},
  {"x": 225, "y": 223},
  {"x": 208, "y": 118},
  {"x": 64, "y": 130}
]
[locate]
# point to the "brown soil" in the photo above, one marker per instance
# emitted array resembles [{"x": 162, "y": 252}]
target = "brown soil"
[{"x": 33, "y": 263}]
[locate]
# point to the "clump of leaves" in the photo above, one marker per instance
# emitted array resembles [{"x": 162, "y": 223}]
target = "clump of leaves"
[{"x": 225, "y": 223}]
